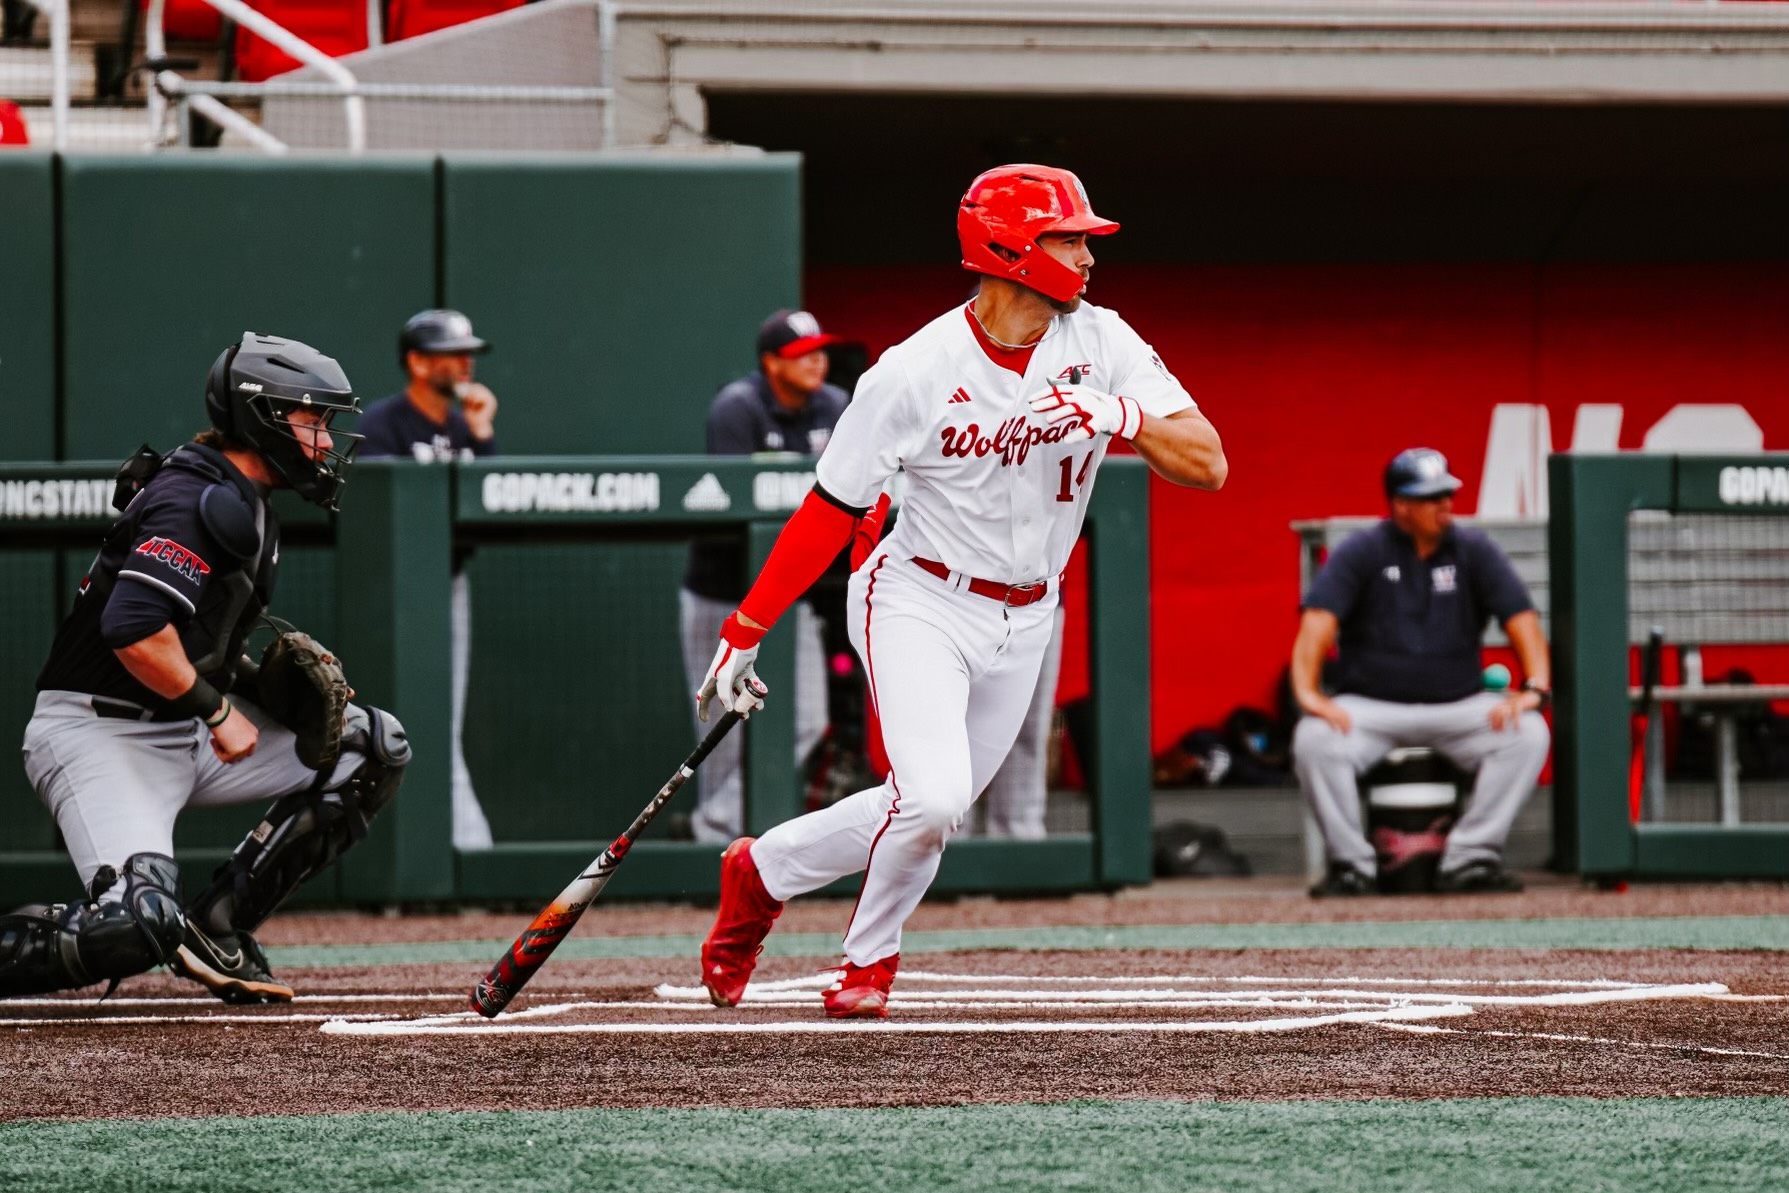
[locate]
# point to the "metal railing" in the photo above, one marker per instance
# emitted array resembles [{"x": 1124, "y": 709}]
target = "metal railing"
[
  {"x": 169, "y": 85},
  {"x": 57, "y": 11},
  {"x": 206, "y": 96}
]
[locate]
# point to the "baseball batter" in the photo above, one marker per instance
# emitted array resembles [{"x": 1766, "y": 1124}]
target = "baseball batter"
[{"x": 999, "y": 412}]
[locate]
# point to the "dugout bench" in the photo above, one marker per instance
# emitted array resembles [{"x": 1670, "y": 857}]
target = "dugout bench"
[{"x": 575, "y": 563}]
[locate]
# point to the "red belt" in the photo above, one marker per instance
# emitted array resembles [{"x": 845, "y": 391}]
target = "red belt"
[{"x": 1006, "y": 594}]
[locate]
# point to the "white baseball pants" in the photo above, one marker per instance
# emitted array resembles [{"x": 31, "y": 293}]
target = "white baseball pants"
[{"x": 952, "y": 674}]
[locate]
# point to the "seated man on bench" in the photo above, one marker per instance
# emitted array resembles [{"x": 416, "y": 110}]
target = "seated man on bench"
[{"x": 1406, "y": 603}]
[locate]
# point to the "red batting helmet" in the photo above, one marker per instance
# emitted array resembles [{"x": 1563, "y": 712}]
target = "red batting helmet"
[{"x": 1006, "y": 209}]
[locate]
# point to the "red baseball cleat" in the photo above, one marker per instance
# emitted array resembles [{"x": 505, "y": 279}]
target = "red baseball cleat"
[
  {"x": 862, "y": 990},
  {"x": 747, "y": 911}
]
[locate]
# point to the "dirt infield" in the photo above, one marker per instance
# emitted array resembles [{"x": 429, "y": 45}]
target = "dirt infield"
[{"x": 969, "y": 1026}]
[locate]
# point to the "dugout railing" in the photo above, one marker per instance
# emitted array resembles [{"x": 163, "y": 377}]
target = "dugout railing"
[
  {"x": 1708, "y": 587},
  {"x": 374, "y": 583}
]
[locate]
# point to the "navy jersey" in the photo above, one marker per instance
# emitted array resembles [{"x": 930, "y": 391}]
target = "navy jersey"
[
  {"x": 393, "y": 426},
  {"x": 163, "y": 563},
  {"x": 744, "y": 418},
  {"x": 1410, "y": 628}
]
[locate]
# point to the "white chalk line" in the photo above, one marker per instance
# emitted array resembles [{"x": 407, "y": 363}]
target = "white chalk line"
[
  {"x": 882, "y": 1026},
  {"x": 1335, "y": 1004},
  {"x": 823, "y": 978},
  {"x": 1429, "y": 1029},
  {"x": 927, "y": 976},
  {"x": 87, "y": 1013},
  {"x": 114, "y": 1020},
  {"x": 755, "y": 995},
  {"x": 211, "y": 1001}
]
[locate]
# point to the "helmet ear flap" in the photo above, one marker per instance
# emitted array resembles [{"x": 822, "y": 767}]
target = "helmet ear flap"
[{"x": 218, "y": 403}]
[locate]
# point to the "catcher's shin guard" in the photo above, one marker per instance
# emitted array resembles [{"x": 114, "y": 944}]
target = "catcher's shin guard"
[
  {"x": 305, "y": 831},
  {"x": 65, "y": 945}
]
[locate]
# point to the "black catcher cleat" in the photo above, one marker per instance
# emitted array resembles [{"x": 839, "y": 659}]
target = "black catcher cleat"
[{"x": 232, "y": 967}]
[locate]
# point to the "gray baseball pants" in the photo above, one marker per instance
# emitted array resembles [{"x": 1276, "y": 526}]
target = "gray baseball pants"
[
  {"x": 115, "y": 787},
  {"x": 719, "y": 815},
  {"x": 1508, "y": 761}
]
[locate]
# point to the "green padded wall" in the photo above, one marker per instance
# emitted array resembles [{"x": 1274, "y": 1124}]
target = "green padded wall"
[
  {"x": 168, "y": 260},
  {"x": 577, "y": 709},
  {"x": 27, "y": 306},
  {"x": 619, "y": 292},
  {"x": 31, "y": 601}
]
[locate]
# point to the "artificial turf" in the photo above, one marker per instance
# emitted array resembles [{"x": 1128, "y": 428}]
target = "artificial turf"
[
  {"x": 1637, "y": 932},
  {"x": 1536, "y": 1145}
]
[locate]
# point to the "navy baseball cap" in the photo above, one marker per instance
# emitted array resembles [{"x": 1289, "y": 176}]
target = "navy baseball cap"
[
  {"x": 1419, "y": 472},
  {"x": 790, "y": 334}
]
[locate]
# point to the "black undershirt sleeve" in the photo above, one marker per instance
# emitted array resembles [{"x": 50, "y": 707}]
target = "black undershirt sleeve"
[{"x": 856, "y": 511}]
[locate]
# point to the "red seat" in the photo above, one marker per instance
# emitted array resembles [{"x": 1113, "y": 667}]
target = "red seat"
[
  {"x": 189, "y": 20},
  {"x": 12, "y": 124},
  {"x": 408, "y": 18},
  {"x": 336, "y": 27}
]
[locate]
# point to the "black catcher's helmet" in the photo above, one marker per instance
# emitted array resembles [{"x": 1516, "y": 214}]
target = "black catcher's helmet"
[
  {"x": 438, "y": 332},
  {"x": 252, "y": 387}
]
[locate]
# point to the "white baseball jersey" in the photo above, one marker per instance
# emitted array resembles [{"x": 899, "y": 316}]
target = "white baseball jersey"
[{"x": 991, "y": 489}]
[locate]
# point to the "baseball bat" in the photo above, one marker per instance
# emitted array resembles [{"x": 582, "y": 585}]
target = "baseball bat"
[
  {"x": 1642, "y": 722},
  {"x": 538, "y": 940}
]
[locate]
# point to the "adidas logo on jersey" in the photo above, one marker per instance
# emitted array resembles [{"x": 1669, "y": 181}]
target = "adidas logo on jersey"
[
  {"x": 961, "y": 395},
  {"x": 707, "y": 495}
]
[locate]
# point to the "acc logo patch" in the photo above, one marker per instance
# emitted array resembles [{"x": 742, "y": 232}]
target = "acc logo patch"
[{"x": 175, "y": 556}]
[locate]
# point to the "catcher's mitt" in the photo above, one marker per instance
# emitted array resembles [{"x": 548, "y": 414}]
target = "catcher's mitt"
[{"x": 301, "y": 686}]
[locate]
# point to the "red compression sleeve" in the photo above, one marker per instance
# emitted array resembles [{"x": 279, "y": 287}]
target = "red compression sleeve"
[{"x": 810, "y": 541}]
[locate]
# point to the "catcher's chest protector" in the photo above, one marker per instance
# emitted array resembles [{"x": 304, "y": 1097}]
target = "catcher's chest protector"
[{"x": 241, "y": 581}]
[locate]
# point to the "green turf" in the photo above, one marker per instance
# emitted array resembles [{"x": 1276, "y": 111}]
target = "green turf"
[
  {"x": 1642, "y": 932},
  {"x": 1536, "y": 1145}
]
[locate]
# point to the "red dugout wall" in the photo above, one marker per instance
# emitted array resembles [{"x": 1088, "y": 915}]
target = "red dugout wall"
[{"x": 1317, "y": 373}]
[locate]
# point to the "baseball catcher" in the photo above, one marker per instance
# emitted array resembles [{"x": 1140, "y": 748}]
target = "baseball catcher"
[{"x": 147, "y": 703}]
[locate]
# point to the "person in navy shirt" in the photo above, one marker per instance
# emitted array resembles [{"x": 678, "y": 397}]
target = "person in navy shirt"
[
  {"x": 785, "y": 405},
  {"x": 1406, "y": 604},
  {"x": 441, "y": 415}
]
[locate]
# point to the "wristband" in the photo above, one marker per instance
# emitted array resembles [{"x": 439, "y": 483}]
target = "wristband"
[
  {"x": 1546, "y": 694},
  {"x": 221, "y": 715},
  {"x": 201, "y": 701},
  {"x": 737, "y": 634}
]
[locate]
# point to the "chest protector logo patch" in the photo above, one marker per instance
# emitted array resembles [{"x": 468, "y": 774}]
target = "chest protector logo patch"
[
  {"x": 1012, "y": 440},
  {"x": 175, "y": 556},
  {"x": 1444, "y": 578}
]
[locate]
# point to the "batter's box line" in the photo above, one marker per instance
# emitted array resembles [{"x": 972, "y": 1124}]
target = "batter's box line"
[
  {"x": 209, "y": 1000},
  {"x": 887, "y": 1027},
  {"x": 1431, "y": 1029},
  {"x": 1555, "y": 983},
  {"x": 775, "y": 991},
  {"x": 823, "y": 978}
]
